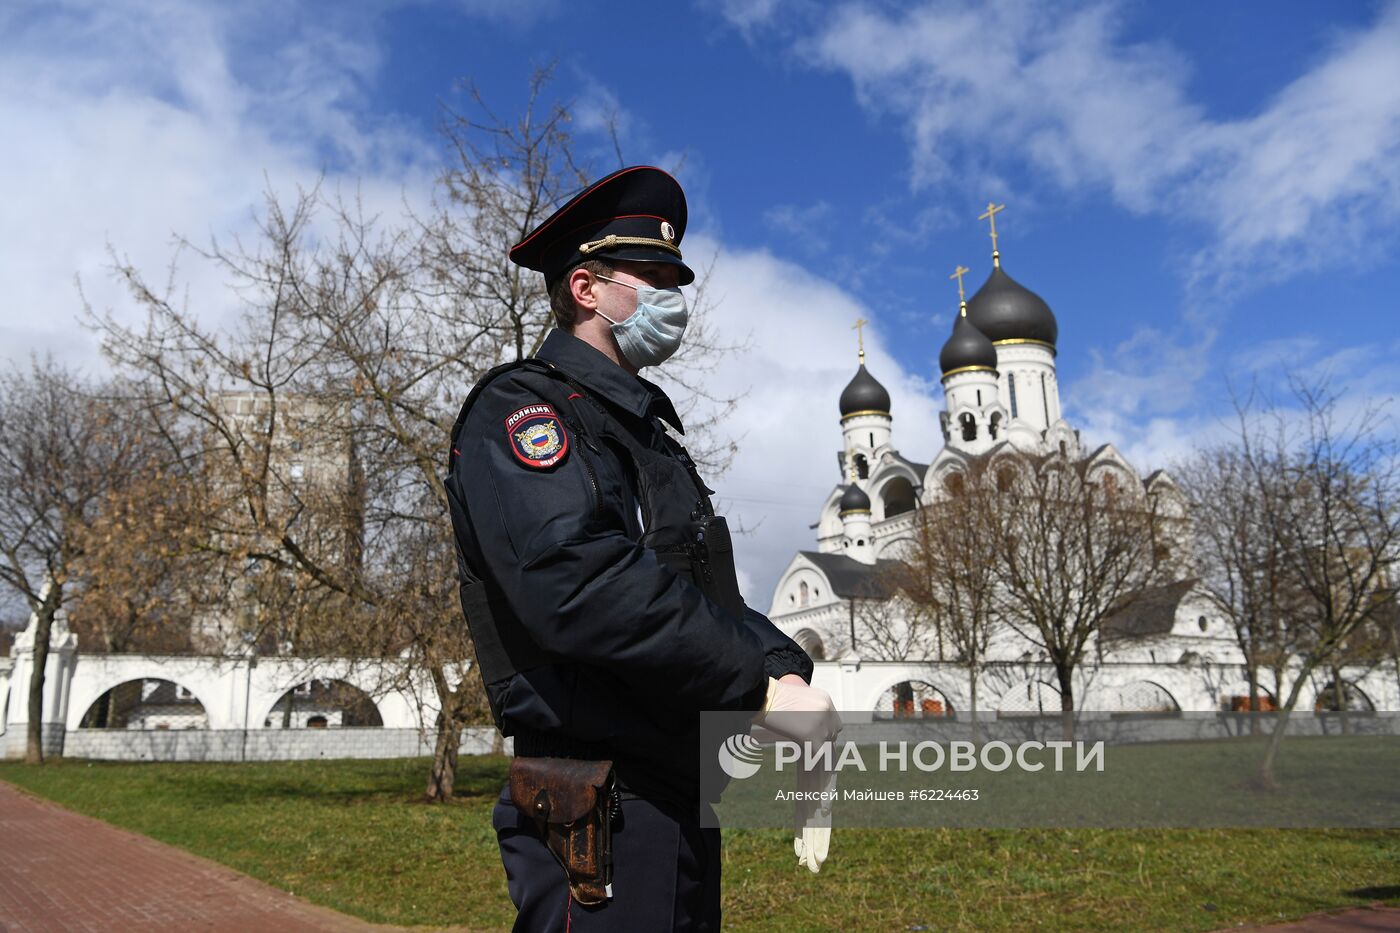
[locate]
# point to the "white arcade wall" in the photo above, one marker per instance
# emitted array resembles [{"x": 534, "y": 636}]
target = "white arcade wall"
[{"x": 238, "y": 695}]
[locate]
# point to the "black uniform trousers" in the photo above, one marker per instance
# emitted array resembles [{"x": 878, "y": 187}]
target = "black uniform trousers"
[{"x": 665, "y": 873}]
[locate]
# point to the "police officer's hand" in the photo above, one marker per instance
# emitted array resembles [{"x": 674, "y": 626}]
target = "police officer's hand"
[{"x": 798, "y": 712}]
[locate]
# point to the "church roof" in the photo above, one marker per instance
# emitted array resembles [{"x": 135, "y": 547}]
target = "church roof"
[
  {"x": 850, "y": 578},
  {"x": 967, "y": 349},
  {"x": 1149, "y": 612},
  {"x": 864, "y": 393},
  {"x": 1004, "y": 309},
  {"x": 919, "y": 468}
]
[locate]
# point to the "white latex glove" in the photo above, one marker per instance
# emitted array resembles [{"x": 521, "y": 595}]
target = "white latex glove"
[
  {"x": 812, "y": 818},
  {"x": 801, "y": 713},
  {"x": 798, "y": 712}
]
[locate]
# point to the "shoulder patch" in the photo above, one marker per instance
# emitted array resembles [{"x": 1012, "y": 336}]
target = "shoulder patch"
[{"x": 537, "y": 436}]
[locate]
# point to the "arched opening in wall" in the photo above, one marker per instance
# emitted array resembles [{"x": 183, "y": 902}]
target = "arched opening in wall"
[
  {"x": 898, "y": 497},
  {"x": 810, "y": 642},
  {"x": 969, "y": 426},
  {"x": 150, "y": 703},
  {"x": 911, "y": 699},
  {"x": 1143, "y": 696},
  {"x": 862, "y": 467},
  {"x": 1031, "y": 698},
  {"x": 994, "y": 426},
  {"x": 321, "y": 704},
  {"x": 1355, "y": 700},
  {"x": 804, "y": 595}
]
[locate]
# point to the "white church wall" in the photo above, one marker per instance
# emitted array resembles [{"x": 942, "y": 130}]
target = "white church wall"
[
  {"x": 857, "y": 685},
  {"x": 1032, "y": 366}
]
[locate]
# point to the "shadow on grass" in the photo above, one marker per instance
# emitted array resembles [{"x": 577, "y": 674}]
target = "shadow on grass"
[{"x": 1386, "y": 892}]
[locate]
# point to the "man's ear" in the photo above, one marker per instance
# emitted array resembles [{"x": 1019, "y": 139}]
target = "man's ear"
[{"x": 581, "y": 287}]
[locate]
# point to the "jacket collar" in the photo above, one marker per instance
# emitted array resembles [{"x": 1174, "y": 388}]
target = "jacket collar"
[{"x": 602, "y": 376}]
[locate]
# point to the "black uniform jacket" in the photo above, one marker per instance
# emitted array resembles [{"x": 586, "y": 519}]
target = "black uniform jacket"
[{"x": 643, "y": 649}]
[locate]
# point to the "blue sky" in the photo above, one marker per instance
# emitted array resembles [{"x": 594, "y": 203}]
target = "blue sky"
[{"x": 1203, "y": 192}]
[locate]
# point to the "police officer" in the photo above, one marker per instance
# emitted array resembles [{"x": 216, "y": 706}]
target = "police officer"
[{"x": 597, "y": 581}]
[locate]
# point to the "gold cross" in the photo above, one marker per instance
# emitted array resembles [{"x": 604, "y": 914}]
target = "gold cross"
[
  {"x": 991, "y": 215},
  {"x": 958, "y": 273},
  {"x": 860, "y": 336}
]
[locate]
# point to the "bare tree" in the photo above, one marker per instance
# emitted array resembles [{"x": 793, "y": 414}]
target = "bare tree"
[
  {"x": 949, "y": 570},
  {"x": 1337, "y": 521},
  {"x": 1073, "y": 548},
  {"x": 891, "y": 627},
  {"x": 1238, "y": 557},
  {"x": 138, "y": 570},
  {"x": 62, "y": 448}
]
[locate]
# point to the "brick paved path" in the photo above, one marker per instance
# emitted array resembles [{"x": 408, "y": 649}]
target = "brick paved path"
[{"x": 63, "y": 871}]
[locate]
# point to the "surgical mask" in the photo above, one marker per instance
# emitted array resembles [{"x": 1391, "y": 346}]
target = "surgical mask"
[{"x": 653, "y": 332}]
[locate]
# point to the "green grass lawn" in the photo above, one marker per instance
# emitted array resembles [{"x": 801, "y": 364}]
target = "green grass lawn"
[{"x": 352, "y": 835}]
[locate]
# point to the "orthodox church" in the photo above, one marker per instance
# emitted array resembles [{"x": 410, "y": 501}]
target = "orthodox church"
[{"x": 1000, "y": 393}]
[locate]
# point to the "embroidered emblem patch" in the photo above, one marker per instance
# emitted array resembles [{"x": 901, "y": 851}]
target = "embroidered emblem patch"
[{"x": 537, "y": 436}]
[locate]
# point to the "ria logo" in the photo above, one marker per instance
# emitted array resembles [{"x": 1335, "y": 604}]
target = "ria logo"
[{"x": 740, "y": 756}]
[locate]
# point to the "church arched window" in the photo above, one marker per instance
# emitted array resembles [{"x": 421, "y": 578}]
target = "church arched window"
[
  {"x": 802, "y": 593},
  {"x": 1011, "y": 389},
  {"x": 862, "y": 467},
  {"x": 995, "y": 426},
  {"x": 969, "y": 426},
  {"x": 898, "y": 496}
]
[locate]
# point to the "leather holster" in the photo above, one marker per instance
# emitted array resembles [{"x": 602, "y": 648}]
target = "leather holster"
[{"x": 570, "y": 802}]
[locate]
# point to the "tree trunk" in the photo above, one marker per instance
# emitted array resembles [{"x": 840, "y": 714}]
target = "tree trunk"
[
  {"x": 1066, "y": 675},
  {"x": 44, "y": 616},
  {"x": 444, "y": 773},
  {"x": 1266, "y": 767},
  {"x": 1252, "y": 671},
  {"x": 972, "y": 691},
  {"x": 1340, "y": 693}
]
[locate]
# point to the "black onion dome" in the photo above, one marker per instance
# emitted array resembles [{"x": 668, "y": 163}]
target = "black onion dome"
[
  {"x": 1004, "y": 309},
  {"x": 853, "y": 500},
  {"x": 864, "y": 393},
  {"x": 967, "y": 348}
]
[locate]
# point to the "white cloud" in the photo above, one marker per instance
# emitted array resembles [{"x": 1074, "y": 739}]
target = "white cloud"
[
  {"x": 515, "y": 12},
  {"x": 981, "y": 87},
  {"x": 748, "y": 16},
  {"x": 803, "y": 224},
  {"x": 131, "y": 123}
]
